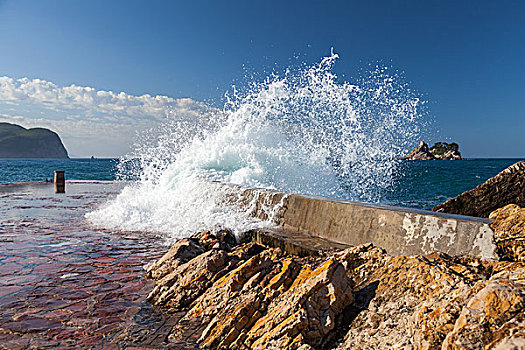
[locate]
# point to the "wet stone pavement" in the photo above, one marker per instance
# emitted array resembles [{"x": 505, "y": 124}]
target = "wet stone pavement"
[{"x": 64, "y": 284}]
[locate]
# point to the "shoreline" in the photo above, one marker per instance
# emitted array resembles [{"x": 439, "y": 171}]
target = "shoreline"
[{"x": 214, "y": 291}]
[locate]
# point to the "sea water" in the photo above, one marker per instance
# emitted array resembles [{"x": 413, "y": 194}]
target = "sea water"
[
  {"x": 417, "y": 184},
  {"x": 24, "y": 170}
]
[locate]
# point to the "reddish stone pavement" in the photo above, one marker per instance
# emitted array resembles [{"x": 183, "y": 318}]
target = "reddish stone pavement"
[{"x": 66, "y": 285}]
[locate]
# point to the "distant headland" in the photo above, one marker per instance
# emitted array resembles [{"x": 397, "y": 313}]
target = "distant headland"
[
  {"x": 19, "y": 142},
  {"x": 440, "y": 150}
]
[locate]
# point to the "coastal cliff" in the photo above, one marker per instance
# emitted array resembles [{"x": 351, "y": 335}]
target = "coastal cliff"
[
  {"x": 19, "y": 142},
  {"x": 440, "y": 150}
]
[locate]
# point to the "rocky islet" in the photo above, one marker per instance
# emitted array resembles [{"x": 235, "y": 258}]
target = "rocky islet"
[{"x": 440, "y": 150}]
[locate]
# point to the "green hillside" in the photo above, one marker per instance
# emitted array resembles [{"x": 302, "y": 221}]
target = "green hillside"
[{"x": 19, "y": 142}]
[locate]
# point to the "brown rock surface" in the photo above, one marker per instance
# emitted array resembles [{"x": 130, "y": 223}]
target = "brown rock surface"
[
  {"x": 494, "y": 317},
  {"x": 180, "y": 252},
  {"x": 433, "y": 302},
  {"x": 408, "y": 302},
  {"x": 440, "y": 150},
  {"x": 508, "y": 187},
  {"x": 421, "y": 152},
  {"x": 256, "y": 297},
  {"x": 509, "y": 231}
]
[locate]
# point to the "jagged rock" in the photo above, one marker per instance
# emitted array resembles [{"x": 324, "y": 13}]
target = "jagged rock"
[
  {"x": 509, "y": 231},
  {"x": 418, "y": 302},
  {"x": 255, "y": 297},
  {"x": 187, "y": 281},
  {"x": 508, "y": 187},
  {"x": 305, "y": 312},
  {"x": 421, "y": 152},
  {"x": 178, "y": 288},
  {"x": 440, "y": 150},
  {"x": 188, "y": 248},
  {"x": 494, "y": 318},
  {"x": 446, "y": 151},
  {"x": 407, "y": 302},
  {"x": 179, "y": 253},
  {"x": 223, "y": 239}
]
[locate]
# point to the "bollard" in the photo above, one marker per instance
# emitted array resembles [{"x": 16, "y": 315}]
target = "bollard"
[{"x": 60, "y": 181}]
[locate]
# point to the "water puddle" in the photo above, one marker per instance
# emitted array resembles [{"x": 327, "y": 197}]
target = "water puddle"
[{"x": 64, "y": 284}]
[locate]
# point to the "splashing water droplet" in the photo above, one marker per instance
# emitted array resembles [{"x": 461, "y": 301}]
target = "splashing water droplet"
[{"x": 302, "y": 132}]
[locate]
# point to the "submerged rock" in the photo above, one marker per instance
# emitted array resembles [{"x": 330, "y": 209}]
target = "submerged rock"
[{"x": 507, "y": 187}]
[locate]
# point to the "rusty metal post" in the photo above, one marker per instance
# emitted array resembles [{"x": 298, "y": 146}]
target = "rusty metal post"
[{"x": 60, "y": 181}]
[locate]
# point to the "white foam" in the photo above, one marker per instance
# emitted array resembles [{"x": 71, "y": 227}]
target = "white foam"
[{"x": 303, "y": 132}]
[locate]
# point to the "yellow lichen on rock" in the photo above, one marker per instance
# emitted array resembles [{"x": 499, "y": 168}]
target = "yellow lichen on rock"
[
  {"x": 493, "y": 315},
  {"x": 250, "y": 296},
  {"x": 509, "y": 231},
  {"x": 254, "y": 297}
]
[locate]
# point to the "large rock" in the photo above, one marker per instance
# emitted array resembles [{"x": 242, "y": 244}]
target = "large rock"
[
  {"x": 408, "y": 302},
  {"x": 508, "y": 187},
  {"x": 494, "y": 318},
  {"x": 18, "y": 142},
  {"x": 179, "y": 253},
  {"x": 434, "y": 302},
  {"x": 446, "y": 151},
  {"x": 509, "y": 231},
  {"x": 251, "y": 296},
  {"x": 421, "y": 152}
]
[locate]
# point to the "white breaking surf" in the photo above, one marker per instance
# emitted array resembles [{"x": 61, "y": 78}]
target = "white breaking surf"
[{"x": 303, "y": 132}]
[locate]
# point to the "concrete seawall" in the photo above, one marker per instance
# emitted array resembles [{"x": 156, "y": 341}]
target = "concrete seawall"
[{"x": 401, "y": 231}]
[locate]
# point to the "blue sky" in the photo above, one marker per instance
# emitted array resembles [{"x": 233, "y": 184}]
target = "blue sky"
[{"x": 465, "y": 57}]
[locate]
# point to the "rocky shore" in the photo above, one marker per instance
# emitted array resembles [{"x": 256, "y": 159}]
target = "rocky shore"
[
  {"x": 252, "y": 296},
  {"x": 249, "y": 295},
  {"x": 65, "y": 285}
]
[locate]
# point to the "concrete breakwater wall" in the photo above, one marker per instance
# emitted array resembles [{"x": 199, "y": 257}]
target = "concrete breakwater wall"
[{"x": 401, "y": 231}]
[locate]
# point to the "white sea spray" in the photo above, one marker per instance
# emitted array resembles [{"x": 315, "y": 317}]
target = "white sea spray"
[{"x": 301, "y": 132}]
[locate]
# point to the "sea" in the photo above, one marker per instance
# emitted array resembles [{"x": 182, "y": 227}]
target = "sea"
[{"x": 416, "y": 184}]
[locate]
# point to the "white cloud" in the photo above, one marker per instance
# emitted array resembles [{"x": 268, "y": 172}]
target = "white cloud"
[{"x": 89, "y": 121}]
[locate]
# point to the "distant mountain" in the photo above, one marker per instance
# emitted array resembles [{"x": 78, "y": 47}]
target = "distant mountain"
[{"x": 19, "y": 142}]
